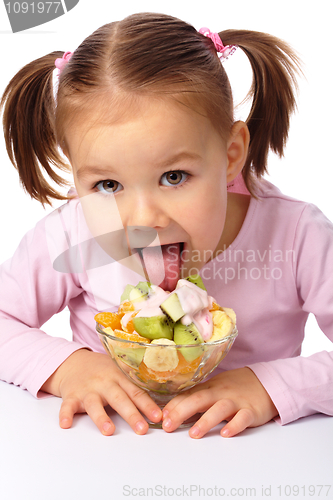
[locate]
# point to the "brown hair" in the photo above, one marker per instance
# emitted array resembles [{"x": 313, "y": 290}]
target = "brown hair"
[{"x": 146, "y": 54}]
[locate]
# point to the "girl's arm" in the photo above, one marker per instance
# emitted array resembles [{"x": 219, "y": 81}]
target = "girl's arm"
[
  {"x": 302, "y": 386},
  {"x": 283, "y": 389},
  {"x": 299, "y": 386},
  {"x": 31, "y": 292}
]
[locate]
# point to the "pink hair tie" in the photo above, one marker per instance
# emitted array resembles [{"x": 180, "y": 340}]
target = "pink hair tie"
[
  {"x": 61, "y": 62},
  {"x": 223, "y": 51}
]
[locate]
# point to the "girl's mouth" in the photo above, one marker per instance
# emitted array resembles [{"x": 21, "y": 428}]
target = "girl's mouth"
[{"x": 162, "y": 264}]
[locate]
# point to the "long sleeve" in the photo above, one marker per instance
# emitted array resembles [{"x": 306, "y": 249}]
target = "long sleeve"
[
  {"x": 30, "y": 293},
  {"x": 279, "y": 269},
  {"x": 301, "y": 386}
]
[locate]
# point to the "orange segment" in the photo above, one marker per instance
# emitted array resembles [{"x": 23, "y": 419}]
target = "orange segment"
[
  {"x": 183, "y": 367},
  {"x": 147, "y": 374},
  {"x": 133, "y": 337},
  {"x": 215, "y": 307},
  {"x": 125, "y": 307},
  {"x": 129, "y": 327},
  {"x": 108, "y": 319},
  {"x": 187, "y": 366}
]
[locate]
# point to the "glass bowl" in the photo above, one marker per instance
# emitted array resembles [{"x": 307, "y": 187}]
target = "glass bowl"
[{"x": 195, "y": 363}]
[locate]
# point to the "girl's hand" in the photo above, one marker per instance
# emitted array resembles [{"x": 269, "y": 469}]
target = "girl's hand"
[
  {"x": 87, "y": 381},
  {"x": 236, "y": 396}
]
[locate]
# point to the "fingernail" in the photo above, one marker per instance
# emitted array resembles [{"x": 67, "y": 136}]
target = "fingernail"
[
  {"x": 167, "y": 423},
  {"x": 107, "y": 427},
  {"x": 139, "y": 427},
  {"x": 225, "y": 433},
  {"x": 165, "y": 414},
  {"x": 64, "y": 423},
  {"x": 195, "y": 431},
  {"x": 156, "y": 413}
]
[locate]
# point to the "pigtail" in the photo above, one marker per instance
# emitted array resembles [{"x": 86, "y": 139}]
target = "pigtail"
[
  {"x": 28, "y": 122},
  {"x": 274, "y": 85}
]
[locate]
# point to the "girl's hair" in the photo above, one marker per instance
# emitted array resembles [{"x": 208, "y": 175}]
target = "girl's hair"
[{"x": 145, "y": 54}]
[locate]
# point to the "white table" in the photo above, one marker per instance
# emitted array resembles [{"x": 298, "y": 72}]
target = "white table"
[{"x": 40, "y": 461}]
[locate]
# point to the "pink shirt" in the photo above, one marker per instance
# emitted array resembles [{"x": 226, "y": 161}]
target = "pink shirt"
[{"x": 277, "y": 271}]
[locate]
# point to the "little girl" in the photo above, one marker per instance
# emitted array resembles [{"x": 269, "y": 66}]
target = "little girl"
[{"x": 143, "y": 112}]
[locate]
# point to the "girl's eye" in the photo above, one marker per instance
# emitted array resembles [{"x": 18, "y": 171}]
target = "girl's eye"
[
  {"x": 109, "y": 186},
  {"x": 174, "y": 178}
]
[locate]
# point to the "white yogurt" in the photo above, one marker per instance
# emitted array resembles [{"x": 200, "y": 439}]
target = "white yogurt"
[{"x": 195, "y": 303}]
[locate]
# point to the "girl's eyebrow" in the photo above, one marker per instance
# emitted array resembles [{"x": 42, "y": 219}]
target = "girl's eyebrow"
[
  {"x": 184, "y": 156},
  {"x": 87, "y": 171}
]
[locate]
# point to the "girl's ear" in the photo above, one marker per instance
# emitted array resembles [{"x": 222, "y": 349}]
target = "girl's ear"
[{"x": 237, "y": 149}]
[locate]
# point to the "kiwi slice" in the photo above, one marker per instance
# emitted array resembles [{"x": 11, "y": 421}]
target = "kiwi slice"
[
  {"x": 172, "y": 307},
  {"x": 197, "y": 280},
  {"x": 130, "y": 356},
  {"x": 140, "y": 292},
  {"x": 188, "y": 334},
  {"x": 154, "y": 327},
  {"x": 126, "y": 293}
]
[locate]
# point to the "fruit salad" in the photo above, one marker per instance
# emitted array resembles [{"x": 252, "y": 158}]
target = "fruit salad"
[{"x": 169, "y": 321}]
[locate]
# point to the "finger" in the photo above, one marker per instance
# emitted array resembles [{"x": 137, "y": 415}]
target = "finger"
[
  {"x": 244, "y": 418},
  {"x": 94, "y": 407},
  {"x": 186, "y": 408},
  {"x": 67, "y": 411},
  {"x": 181, "y": 397},
  {"x": 220, "y": 411},
  {"x": 123, "y": 405},
  {"x": 146, "y": 405},
  {"x": 171, "y": 405},
  {"x": 143, "y": 401}
]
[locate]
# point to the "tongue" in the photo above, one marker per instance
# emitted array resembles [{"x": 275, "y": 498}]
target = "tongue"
[{"x": 162, "y": 264}]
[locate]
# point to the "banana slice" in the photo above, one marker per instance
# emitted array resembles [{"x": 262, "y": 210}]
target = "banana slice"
[
  {"x": 231, "y": 313},
  {"x": 223, "y": 325},
  {"x": 161, "y": 359}
]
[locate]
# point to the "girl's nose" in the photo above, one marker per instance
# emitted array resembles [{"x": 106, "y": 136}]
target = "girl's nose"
[{"x": 145, "y": 211}]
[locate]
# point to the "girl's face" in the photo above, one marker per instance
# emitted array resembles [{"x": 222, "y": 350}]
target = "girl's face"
[{"x": 162, "y": 167}]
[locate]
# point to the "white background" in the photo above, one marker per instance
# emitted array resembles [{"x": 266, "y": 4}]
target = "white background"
[{"x": 306, "y": 170}]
